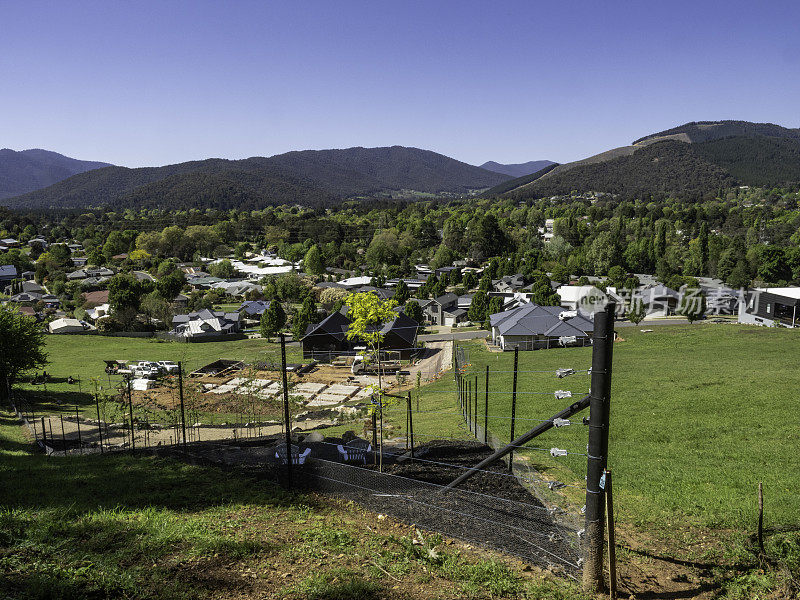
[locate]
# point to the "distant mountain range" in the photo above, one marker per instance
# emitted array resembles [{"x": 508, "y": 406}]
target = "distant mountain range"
[
  {"x": 314, "y": 177},
  {"x": 694, "y": 158},
  {"x": 30, "y": 170},
  {"x": 519, "y": 169}
]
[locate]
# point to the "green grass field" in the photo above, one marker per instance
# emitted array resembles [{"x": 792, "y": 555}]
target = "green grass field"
[
  {"x": 81, "y": 357},
  {"x": 700, "y": 414},
  {"x": 120, "y": 527}
]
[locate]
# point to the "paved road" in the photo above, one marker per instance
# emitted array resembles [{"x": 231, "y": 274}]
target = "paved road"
[
  {"x": 649, "y": 324},
  {"x": 456, "y": 335}
]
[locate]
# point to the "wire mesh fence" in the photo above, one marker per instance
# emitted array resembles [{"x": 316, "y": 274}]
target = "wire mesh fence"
[{"x": 528, "y": 504}]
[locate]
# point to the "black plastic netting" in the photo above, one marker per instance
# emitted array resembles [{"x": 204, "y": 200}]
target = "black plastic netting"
[{"x": 518, "y": 525}]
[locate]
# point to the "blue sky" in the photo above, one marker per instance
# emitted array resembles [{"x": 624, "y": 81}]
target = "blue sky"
[{"x": 150, "y": 83}]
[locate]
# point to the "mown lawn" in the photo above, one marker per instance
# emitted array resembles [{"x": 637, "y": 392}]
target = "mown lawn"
[{"x": 117, "y": 526}]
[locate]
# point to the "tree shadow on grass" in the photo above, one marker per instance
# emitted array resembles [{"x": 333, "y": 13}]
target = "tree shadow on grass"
[{"x": 116, "y": 480}]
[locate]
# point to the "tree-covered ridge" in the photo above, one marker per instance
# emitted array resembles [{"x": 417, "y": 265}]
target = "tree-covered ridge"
[
  {"x": 704, "y": 131},
  {"x": 312, "y": 177},
  {"x": 661, "y": 167},
  {"x": 759, "y": 161},
  {"x": 507, "y": 186},
  {"x": 28, "y": 170}
]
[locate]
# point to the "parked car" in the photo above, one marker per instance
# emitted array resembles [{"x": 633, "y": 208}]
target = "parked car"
[
  {"x": 168, "y": 367},
  {"x": 146, "y": 369}
]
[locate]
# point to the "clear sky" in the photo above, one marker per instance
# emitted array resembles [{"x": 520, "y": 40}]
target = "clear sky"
[{"x": 157, "y": 82}]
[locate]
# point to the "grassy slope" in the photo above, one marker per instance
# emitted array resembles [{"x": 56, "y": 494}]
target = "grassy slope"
[
  {"x": 699, "y": 416},
  {"x": 115, "y": 526}
]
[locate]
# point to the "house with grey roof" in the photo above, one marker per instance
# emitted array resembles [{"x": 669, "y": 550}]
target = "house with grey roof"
[
  {"x": 443, "y": 310},
  {"x": 205, "y": 324},
  {"x": 8, "y": 273},
  {"x": 90, "y": 272},
  {"x": 533, "y": 327},
  {"x": 253, "y": 309}
]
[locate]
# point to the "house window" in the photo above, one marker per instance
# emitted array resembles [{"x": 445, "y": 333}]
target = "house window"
[{"x": 769, "y": 307}]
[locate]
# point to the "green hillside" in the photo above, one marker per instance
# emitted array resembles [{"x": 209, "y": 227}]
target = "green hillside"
[{"x": 313, "y": 177}]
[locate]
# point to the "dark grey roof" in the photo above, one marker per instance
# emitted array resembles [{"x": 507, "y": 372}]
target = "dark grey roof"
[
  {"x": 532, "y": 319},
  {"x": 8, "y": 271},
  {"x": 254, "y": 307},
  {"x": 446, "y": 299}
]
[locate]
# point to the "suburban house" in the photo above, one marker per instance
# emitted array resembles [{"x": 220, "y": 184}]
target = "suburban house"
[
  {"x": 772, "y": 307},
  {"x": 237, "y": 288},
  {"x": 90, "y": 273},
  {"x": 66, "y": 326},
  {"x": 95, "y": 298},
  {"x": 661, "y": 301},
  {"x": 30, "y": 298},
  {"x": 444, "y": 310},
  {"x": 98, "y": 312},
  {"x": 27, "y": 286},
  {"x": 253, "y": 309},
  {"x": 205, "y": 324},
  {"x": 8, "y": 273},
  {"x": 509, "y": 283},
  {"x": 328, "y": 338},
  {"x": 533, "y": 327},
  {"x": 10, "y": 243}
]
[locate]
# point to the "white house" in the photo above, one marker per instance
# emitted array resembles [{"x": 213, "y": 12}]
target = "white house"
[{"x": 65, "y": 325}]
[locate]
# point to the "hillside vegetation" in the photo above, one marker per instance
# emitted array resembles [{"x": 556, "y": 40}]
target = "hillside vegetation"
[
  {"x": 667, "y": 166},
  {"x": 690, "y": 160},
  {"x": 28, "y": 170},
  {"x": 517, "y": 169},
  {"x": 311, "y": 177}
]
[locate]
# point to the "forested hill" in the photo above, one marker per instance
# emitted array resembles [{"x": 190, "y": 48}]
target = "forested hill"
[
  {"x": 517, "y": 169},
  {"x": 705, "y": 131},
  {"x": 692, "y": 159},
  {"x": 308, "y": 177},
  {"x": 28, "y": 170}
]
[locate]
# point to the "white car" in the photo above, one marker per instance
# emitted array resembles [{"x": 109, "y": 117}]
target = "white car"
[
  {"x": 145, "y": 369},
  {"x": 167, "y": 366}
]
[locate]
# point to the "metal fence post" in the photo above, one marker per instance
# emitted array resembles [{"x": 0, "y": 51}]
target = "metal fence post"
[
  {"x": 78, "y": 423},
  {"x": 486, "y": 410},
  {"x": 410, "y": 425},
  {"x": 468, "y": 404},
  {"x": 130, "y": 411},
  {"x": 99, "y": 425},
  {"x": 597, "y": 461},
  {"x": 180, "y": 395},
  {"x": 513, "y": 408},
  {"x": 475, "y": 411},
  {"x": 286, "y": 416},
  {"x": 63, "y": 436}
]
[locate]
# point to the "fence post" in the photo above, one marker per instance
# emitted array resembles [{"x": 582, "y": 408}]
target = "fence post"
[
  {"x": 475, "y": 411},
  {"x": 130, "y": 412},
  {"x": 78, "y": 423},
  {"x": 286, "y": 416},
  {"x": 180, "y": 395},
  {"x": 44, "y": 436},
  {"x": 612, "y": 548},
  {"x": 63, "y": 436},
  {"x": 486, "y": 410},
  {"x": 597, "y": 461},
  {"x": 99, "y": 425},
  {"x": 513, "y": 408},
  {"x": 468, "y": 404},
  {"x": 410, "y": 425}
]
